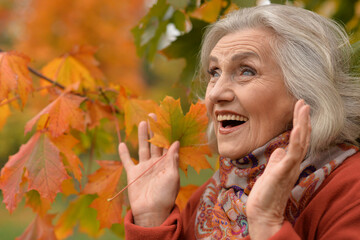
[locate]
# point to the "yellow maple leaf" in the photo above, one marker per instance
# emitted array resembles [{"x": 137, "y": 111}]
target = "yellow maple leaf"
[
  {"x": 67, "y": 70},
  {"x": 189, "y": 130}
]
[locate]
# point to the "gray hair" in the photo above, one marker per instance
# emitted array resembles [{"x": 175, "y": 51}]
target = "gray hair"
[{"x": 314, "y": 54}]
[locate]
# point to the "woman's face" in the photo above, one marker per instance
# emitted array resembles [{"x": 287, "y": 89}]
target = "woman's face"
[{"x": 246, "y": 97}]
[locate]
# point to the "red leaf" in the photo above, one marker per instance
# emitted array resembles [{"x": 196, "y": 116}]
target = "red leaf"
[{"x": 40, "y": 158}]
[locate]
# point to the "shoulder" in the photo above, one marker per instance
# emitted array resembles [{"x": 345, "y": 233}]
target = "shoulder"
[
  {"x": 342, "y": 186},
  {"x": 336, "y": 202}
]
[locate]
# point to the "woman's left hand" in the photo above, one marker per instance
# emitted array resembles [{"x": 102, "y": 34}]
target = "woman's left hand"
[{"x": 268, "y": 198}]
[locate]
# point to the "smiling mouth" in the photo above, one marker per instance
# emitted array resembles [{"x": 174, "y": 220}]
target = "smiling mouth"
[{"x": 231, "y": 120}]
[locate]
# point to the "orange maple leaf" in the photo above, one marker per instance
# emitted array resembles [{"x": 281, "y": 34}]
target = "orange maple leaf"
[
  {"x": 41, "y": 229},
  {"x": 135, "y": 110},
  {"x": 172, "y": 125},
  {"x": 66, "y": 143},
  {"x": 184, "y": 195},
  {"x": 59, "y": 115},
  {"x": 40, "y": 159},
  {"x": 104, "y": 183},
  {"x": 67, "y": 70},
  {"x": 4, "y": 114},
  {"x": 14, "y": 75}
]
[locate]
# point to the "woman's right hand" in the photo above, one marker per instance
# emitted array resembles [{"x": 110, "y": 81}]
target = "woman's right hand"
[{"x": 152, "y": 196}]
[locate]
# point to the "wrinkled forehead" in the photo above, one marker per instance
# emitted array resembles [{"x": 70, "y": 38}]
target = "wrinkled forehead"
[{"x": 250, "y": 43}]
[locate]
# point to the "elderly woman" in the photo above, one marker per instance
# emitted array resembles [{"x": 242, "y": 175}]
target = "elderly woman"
[{"x": 285, "y": 111}]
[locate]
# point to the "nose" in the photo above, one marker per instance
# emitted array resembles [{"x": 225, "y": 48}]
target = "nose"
[{"x": 221, "y": 91}]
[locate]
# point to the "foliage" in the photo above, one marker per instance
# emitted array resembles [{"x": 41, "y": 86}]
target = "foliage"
[{"x": 86, "y": 107}]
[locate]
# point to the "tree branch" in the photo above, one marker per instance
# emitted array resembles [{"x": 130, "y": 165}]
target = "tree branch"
[{"x": 33, "y": 71}]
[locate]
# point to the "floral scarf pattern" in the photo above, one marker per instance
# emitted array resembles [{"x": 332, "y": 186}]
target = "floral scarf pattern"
[{"x": 221, "y": 213}]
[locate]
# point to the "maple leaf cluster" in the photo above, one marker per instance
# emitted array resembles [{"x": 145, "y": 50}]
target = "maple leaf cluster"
[{"x": 49, "y": 163}]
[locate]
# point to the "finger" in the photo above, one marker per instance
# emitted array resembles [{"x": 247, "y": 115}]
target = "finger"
[
  {"x": 304, "y": 124},
  {"x": 125, "y": 156},
  {"x": 173, "y": 153},
  {"x": 144, "y": 152},
  {"x": 297, "y": 108},
  {"x": 154, "y": 150},
  {"x": 296, "y": 149}
]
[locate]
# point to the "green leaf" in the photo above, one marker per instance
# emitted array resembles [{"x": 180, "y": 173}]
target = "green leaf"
[
  {"x": 80, "y": 213},
  {"x": 179, "y": 20},
  {"x": 187, "y": 46},
  {"x": 150, "y": 29},
  {"x": 179, "y": 4}
]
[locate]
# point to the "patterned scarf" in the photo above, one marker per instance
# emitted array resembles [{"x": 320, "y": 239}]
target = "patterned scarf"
[{"x": 221, "y": 213}]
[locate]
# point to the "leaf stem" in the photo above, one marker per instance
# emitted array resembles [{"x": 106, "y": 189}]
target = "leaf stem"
[{"x": 138, "y": 177}]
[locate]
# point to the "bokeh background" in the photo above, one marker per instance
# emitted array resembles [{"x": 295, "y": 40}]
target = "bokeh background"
[{"x": 45, "y": 29}]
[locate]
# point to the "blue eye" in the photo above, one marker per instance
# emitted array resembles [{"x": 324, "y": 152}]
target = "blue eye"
[
  {"x": 213, "y": 73},
  {"x": 247, "y": 71}
]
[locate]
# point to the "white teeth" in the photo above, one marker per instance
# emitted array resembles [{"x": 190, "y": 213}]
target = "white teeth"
[{"x": 232, "y": 117}]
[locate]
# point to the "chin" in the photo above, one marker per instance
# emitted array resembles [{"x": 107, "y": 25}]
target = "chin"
[{"x": 231, "y": 153}]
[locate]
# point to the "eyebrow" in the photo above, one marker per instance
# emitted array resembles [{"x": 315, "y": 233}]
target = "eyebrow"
[{"x": 237, "y": 56}]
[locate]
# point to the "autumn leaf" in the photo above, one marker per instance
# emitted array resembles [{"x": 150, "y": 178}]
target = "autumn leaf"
[
  {"x": 185, "y": 193},
  {"x": 59, "y": 115},
  {"x": 65, "y": 144},
  {"x": 4, "y": 114},
  {"x": 68, "y": 188},
  {"x": 104, "y": 183},
  {"x": 78, "y": 213},
  {"x": 40, "y": 229},
  {"x": 85, "y": 55},
  {"x": 209, "y": 11},
  {"x": 38, "y": 204},
  {"x": 14, "y": 75},
  {"x": 97, "y": 111},
  {"x": 40, "y": 159},
  {"x": 67, "y": 70},
  {"x": 189, "y": 130},
  {"x": 135, "y": 111}
]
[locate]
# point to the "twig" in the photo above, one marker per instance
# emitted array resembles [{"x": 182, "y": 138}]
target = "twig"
[{"x": 33, "y": 71}]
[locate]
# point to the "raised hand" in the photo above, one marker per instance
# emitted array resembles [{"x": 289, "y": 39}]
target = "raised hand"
[
  {"x": 268, "y": 198},
  {"x": 152, "y": 196}
]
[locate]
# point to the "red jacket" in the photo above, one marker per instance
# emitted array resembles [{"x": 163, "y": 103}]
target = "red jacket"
[{"x": 333, "y": 212}]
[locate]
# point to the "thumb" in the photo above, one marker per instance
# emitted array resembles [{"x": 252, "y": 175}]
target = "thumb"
[{"x": 276, "y": 156}]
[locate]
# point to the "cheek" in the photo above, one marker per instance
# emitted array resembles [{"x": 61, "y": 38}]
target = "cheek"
[{"x": 208, "y": 102}]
